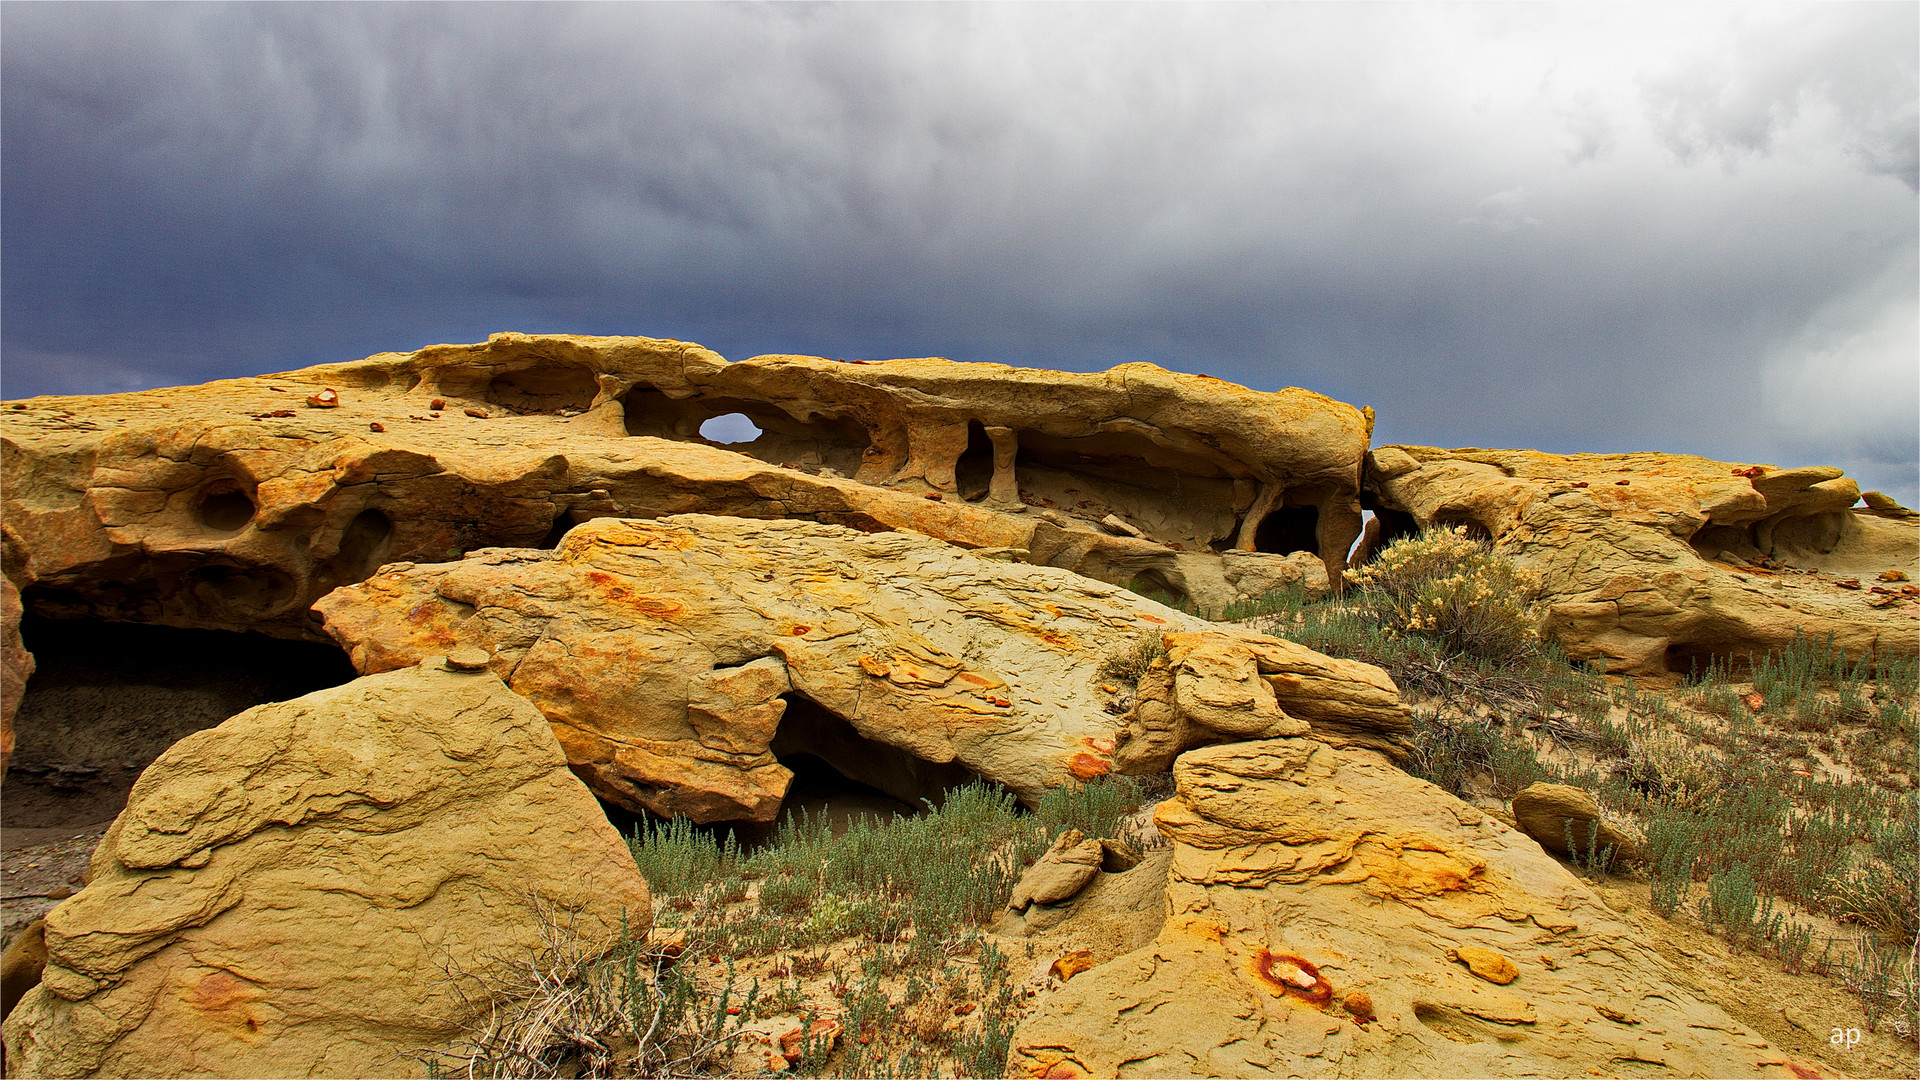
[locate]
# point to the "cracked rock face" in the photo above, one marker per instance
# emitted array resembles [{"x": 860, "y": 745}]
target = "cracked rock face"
[
  {"x": 324, "y": 887},
  {"x": 1231, "y": 685},
  {"x": 1329, "y": 915},
  {"x": 1658, "y": 563},
  {"x": 234, "y": 505},
  {"x": 667, "y": 654}
]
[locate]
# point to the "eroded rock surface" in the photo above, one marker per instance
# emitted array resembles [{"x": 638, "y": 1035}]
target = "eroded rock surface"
[
  {"x": 1327, "y": 913},
  {"x": 1227, "y": 685},
  {"x": 324, "y": 887},
  {"x": 1657, "y": 563},
  {"x": 236, "y": 504},
  {"x": 16, "y": 666},
  {"x": 667, "y": 653}
]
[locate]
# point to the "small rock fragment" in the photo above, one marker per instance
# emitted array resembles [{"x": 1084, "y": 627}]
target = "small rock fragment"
[
  {"x": 1485, "y": 963},
  {"x": 1893, "y": 575},
  {"x": 325, "y": 399},
  {"x": 1072, "y": 964},
  {"x": 468, "y": 658},
  {"x": 1116, "y": 525},
  {"x": 477, "y": 414},
  {"x": 59, "y": 892},
  {"x": 437, "y": 404},
  {"x": 376, "y": 426},
  {"x": 1360, "y": 1004}
]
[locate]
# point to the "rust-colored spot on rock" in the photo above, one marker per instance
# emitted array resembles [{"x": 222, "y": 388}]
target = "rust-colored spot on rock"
[
  {"x": 800, "y": 630},
  {"x": 1088, "y": 767},
  {"x": 1805, "y": 1073},
  {"x": 1750, "y": 471},
  {"x": 1072, "y": 963},
  {"x": 1755, "y": 702},
  {"x": 1061, "y": 1070},
  {"x": 1579, "y": 483},
  {"x": 1059, "y": 640},
  {"x": 1621, "y": 483},
  {"x": 1294, "y": 977},
  {"x": 325, "y": 399}
]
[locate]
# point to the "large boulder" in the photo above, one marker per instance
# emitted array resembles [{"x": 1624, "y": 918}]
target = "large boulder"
[
  {"x": 1658, "y": 563},
  {"x": 234, "y": 505},
  {"x": 329, "y": 886},
  {"x": 1332, "y": 916},
  {"x": 1567, "y": 820},
  {"x": 679, "y": 657}
]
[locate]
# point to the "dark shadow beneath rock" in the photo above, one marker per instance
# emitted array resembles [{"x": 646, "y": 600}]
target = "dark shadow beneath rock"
[{"x": 108, "y": 698}]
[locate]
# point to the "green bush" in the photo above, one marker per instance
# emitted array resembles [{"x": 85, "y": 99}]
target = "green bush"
[{"x": 1445, "y": 585}]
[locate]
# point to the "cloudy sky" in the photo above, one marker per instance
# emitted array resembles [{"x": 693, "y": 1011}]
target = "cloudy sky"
[{"x": 1616, "y": 227}]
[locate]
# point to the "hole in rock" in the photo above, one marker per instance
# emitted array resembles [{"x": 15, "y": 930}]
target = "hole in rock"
[
  {"x": 730, "y": 429},
  {"x": 1289, "y": 529},
  {"x": 1394, "y": 524},
  {"x": 1475, "y": 529},
  {"x": 562, "y": 525},
  {"x": 547, "y": 388},
  {"x": 973, "y": 473},
  {"x": 225, "y": 509},
  {"x": 1154, "y": 585},
  {"x": 107, "y": 698},
  {"x": 364, "y": 545},
  {"x": 809, "y": 729}
]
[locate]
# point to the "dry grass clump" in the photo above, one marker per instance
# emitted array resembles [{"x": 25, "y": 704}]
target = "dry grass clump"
[{"x": 878, "y": 928}]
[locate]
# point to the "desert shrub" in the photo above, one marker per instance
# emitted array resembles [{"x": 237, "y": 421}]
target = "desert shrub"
[
  {"x": 1673, "y": 845},
  {"x": 677, "y": 857},
  {"x": 1452, "y": 754},
  {"x": 1445, "y": 585},
  {"x": 1130, "y": 661},
  {"x": 1096, "y": 809}
]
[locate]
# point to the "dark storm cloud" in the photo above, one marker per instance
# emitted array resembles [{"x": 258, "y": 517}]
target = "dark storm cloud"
[{"x": 1575, "y": 228}]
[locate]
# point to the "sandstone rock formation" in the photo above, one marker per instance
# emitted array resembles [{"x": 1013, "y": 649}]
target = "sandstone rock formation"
[
  {"x": 324, "y": 887},
  {"x": 1315, "y": 897},
  {"x": 1567, "y": 820},
  {"x": 1657, "y": 563},
  {"x": 236, "y": 504},
  {"x": 1231, "y": 685},
  {"x": 1061, "y": 872},
  {"x": 16, "y": 666},
  {"x": 679, "y": 657}
]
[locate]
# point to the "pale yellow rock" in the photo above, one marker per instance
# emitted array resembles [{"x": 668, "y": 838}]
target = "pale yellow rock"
[
  {"x": 1060, "y": 873},
  {"x": 230, "y": 506},
  {"x": 16, "y": 667},
  {"x": 1225, "y": 685},
  {"x": 1486, "y": 963},
  {"x": 1649, "y": 563},
  {"x": 669, "y": 655},
  {"x": 1302, "y": 873},
  {"x": 329, "y": 886},
  {"x": 1551, "y": 813}
]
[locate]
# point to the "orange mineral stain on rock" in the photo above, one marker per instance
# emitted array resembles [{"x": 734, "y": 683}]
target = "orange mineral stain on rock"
[
  {"x": 1292, "y": 976},
  {"x": 1088, "y": 767}
]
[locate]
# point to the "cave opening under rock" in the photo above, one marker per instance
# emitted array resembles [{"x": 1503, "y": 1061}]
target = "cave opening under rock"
[
  {"x": 1289, "y": 529},
  {"x": 107, "y": 698}
]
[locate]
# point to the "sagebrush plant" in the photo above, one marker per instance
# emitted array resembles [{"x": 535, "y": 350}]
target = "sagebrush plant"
[
  {"x": 910, "y": 893},
  {"x": 1448, "y": 586},
  {"x": 1130, "y": 661}
]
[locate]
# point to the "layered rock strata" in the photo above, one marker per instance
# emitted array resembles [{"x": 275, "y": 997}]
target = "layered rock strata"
[
  {"x": 1232, "y": 685},
  {"x": 329, "y": 886},
  {"x": 678, "y": 657},
  {"x": 1658, "y": 563},
  {"x": 235, "y": 504},
  {"x": 1330, "y": 915}
]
